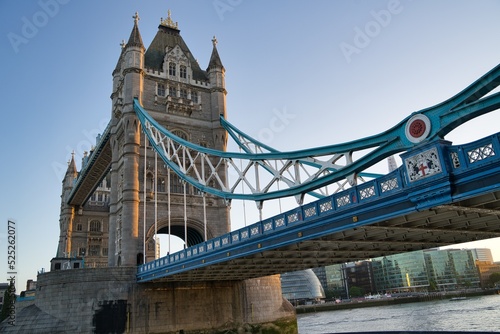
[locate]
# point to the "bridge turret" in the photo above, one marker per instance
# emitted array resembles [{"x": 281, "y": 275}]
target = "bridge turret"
[
  {"x": 128, "y": 81},
  {"x": 216, "y": 73},
  {"x": 67, "y": 211},
  {"x": 133, "y": 65}
]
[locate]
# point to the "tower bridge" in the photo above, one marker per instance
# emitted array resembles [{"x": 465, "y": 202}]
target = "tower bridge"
[{"x": 162, "y": 165}]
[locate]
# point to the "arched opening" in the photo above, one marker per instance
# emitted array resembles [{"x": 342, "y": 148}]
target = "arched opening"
[
  {"x": 193, "y": 236},
  {"x": 176, "y": 240}
]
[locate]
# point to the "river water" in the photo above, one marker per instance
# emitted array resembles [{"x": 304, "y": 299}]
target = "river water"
[{"x": 473, "y": 314}]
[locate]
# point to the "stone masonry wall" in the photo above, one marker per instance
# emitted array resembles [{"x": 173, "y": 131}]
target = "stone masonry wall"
[
  {"x": 75, "y": 295},
  {"x": 108, "y": 300}
]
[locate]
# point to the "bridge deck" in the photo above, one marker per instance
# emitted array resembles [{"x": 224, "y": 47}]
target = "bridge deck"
[{"x": 397, "y": 213}]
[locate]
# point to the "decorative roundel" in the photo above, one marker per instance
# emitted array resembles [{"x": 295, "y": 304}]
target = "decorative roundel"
[{"x": 417, "y": 128}]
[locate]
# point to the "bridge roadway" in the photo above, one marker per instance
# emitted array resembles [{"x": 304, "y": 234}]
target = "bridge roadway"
[{"x": 442, "y": 195}]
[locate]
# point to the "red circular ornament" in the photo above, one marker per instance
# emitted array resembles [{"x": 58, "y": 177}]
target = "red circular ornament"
[{"x": 417, "y": 128}]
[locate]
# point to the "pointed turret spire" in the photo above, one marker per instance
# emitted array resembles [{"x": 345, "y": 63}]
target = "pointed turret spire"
[
  {"x": 72, "y": 171},
  {"x": 215, "y": 61},
  {"x": 135, "y": 38}
]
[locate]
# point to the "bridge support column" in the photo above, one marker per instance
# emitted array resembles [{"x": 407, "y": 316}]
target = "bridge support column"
[
  {"x": 250, "y": 306},
  {"x": 109, "y": 300}
]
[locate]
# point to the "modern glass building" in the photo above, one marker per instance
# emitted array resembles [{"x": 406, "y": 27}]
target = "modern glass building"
[
  {"x": 428, "y": 270},
  {"x": 302, "y": 286},
  {"x": 451, "y": 269},
  {"x": 404, "y": 272},
  {"x": 419, "y": 271}
]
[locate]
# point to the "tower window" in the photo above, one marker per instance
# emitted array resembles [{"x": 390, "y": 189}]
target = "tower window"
[
  {"x": 95, "y": 226},
  {"x": 78, "y": 227},
  {"x": 183, "y": 71},
  {"x": 176, "y": 185},
  {"x": 94, "y": 250},
  {"x": 161, "y": 185},
  {"x": 160, "y": 90},
  {"x": 194, "y": 96},
  {"x": 171, "y": 69},
  {"x": 184, "y": 94},
  {"x": 172, "y": 91}
]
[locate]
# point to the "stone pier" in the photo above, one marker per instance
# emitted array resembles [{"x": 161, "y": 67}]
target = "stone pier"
[{"x": 108, "y": 300}]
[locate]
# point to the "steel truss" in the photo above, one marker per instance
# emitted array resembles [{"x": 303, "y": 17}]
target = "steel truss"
[{"x": 269, "y": 174}]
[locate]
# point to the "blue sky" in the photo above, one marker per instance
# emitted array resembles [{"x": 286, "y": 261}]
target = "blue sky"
[{"x": 307, "y": 59}]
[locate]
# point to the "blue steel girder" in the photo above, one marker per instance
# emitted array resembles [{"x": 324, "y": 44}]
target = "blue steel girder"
[
  {"x": 204, "y": 167},
  {"x": 251, "y": 145},
  {"x": 402, "y": 211}
]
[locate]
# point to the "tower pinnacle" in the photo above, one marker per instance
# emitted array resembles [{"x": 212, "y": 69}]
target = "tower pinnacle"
[
  {"x": 168, "y": 22},
  {"x": 135, "y": 38}
]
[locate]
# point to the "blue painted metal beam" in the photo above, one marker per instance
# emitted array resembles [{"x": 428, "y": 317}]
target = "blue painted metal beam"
[
  {"x": 420, "y": 127},
  {"x": 464, "y": 171}
]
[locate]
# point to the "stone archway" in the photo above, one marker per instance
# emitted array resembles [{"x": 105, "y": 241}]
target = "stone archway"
[{"x": 195, "y": 233}]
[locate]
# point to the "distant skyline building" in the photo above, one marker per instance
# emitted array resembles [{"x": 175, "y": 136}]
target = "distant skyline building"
[
  {"x": 425, "y": 270},
  {"x": 301, "y": 287},
  {"x": 483, "y": 254}
]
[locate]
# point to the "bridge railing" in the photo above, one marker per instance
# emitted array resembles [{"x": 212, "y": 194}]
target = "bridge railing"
[
  {"x": 473, "y": 155},
  {"x": 462, "y": 159}
]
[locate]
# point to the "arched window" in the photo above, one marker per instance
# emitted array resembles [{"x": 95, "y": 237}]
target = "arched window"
[
  {"x": 95, "y": 226},
  {"x": 78, "y": 227},
  {"x": 181, "y": 134},
  {"x": 171, "y": 68},
  {"x": 183, "y": 72}
]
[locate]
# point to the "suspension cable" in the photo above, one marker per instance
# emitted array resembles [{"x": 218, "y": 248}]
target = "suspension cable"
[
  {"x": 144, "y": 200},
  {"x": 156, "y": 204},
  {"x": 185, "y": 205}
]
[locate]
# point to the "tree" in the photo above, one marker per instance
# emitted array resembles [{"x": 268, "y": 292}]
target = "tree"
[
  {"x": 356, "y": 291},
  {"x": 494, "y": 279},
  {"x": 8, "y": 301}
]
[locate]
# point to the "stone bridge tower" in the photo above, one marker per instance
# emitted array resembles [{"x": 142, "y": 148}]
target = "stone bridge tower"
[
  {"x": 171, "y": 86},
  {"x": 123, "y": 193}
]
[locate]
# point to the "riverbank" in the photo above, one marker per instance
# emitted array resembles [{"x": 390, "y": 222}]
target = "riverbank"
[{"x": 359, "y": 303}]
